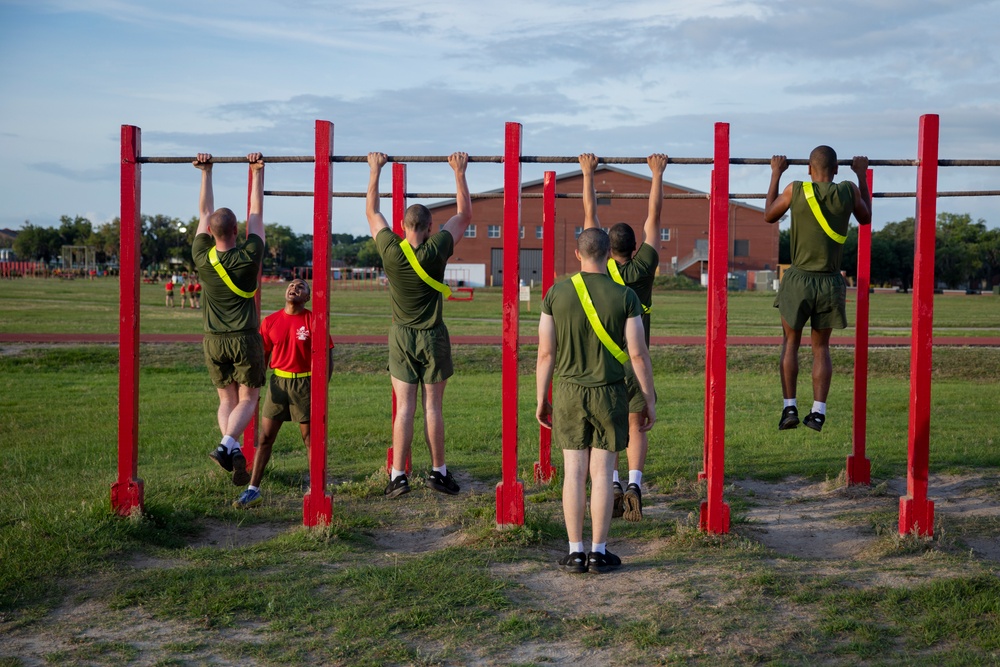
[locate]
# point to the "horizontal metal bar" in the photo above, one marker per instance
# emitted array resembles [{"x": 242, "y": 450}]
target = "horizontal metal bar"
[
  {"x": 554, "y": 159},
  {"x": 226, "y": 160},
  {"x": 611, "y": 195}
]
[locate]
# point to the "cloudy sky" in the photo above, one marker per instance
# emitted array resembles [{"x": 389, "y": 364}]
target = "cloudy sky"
[{"x": 433, "y": 76}]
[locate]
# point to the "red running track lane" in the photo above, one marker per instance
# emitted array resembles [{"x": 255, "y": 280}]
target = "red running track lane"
[{"x": 875, "y": 341}]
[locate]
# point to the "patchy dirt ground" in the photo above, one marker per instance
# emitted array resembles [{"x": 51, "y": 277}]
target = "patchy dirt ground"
[{"x": 813, "y": 529}]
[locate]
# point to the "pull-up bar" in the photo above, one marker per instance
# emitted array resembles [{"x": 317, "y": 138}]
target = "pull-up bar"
[
  {"x": 611, "y": 195},
  {"x": 562, "y": 159}
]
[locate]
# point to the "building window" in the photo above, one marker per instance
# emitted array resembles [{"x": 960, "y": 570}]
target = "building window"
[
  {"x": 538, "y": 231},
  {"x": 493, "y": 231},
  {"x": 522, "y": 231},
  {"x": 665, "y": 234},
  {"x": 577, "y": 232},
  {"x": 603, "y": 201},
  {"x": 470, "y": 232},
  {"x": 741, "y": 248}
]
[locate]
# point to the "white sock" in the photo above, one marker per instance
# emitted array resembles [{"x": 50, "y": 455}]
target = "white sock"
[
  {"x": 441, "y": 469},
  {"x": 599, "y": 548},
  {"x": 614, "y": 477},
  {"x": 576, "y": 547},
  {"x": 635, "y": 477},
  {"x": 790, "y": 401},
  {"x": 396, "y": 473},
  {"x": 819, "y": 407},
  {"x": 253, "y": 488},
  {"x": 230, "y": 443}
]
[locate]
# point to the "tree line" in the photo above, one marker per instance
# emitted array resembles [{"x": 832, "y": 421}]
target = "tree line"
[
  {"x": 966, "y": 255},
  {"x": 165, "y": 242}
]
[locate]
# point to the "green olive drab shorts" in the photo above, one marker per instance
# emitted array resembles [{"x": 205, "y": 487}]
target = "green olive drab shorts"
[
  {"x": 288, "y": 399},
  {"x": 420, "y": 355},
  {"x": 235, "y": 357},
  {"x": 590, "y": 417},
  {"x": 817, "y": 298}
]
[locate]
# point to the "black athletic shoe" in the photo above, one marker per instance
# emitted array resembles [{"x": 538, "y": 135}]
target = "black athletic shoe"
[
  {"x": 603, "y": 562},
  {"x": 241, "y": 476},
  {"x": 222, "y": 457},
  {"x": 633, "y": 503},
  {"x": 442, "y": 483},
  {"x": 789, "y": 418},
  {"x": 574, "y": 562},
  {"x": 814, "y": 420},
  {"x": 619, "y": 507},
  {"x": 398, "y": 487}
]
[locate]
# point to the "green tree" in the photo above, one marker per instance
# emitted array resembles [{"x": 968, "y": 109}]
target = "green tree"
[
  {"x": 284, "y": 247},
  {"x": 958, "y": 259},
  {"x": 162, "y": 240},
  {"x": 368, "y": 254},
  {"x": 107, "y": 239},
  {"x": 785, "y": 246},
  {"x": 76, "y": 230},
  {"x": 38, "y": 243}
]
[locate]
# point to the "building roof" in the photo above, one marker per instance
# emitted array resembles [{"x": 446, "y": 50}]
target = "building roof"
[{"x": 601, "y": 167}]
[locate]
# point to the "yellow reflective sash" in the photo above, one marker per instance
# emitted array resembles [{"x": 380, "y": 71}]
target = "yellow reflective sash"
[
  {"x": 588, "y": 308},
  {"x": 286, "y": 374},
  {"x": 807, "y": 190},
  {"x": 617, "y": 277},
  {"x": 213, "y": 257},
  {"x": 404, "y": 245}
]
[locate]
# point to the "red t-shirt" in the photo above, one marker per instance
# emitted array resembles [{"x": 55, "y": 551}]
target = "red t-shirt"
[
  {"x": 183, "y": 290},
  {"x": 197, "y": 288},
  {"x": 288, "y": 338},
  {"x": 170, "y": 287}
]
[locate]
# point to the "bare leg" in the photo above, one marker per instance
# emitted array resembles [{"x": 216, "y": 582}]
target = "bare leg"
[
  {"x": 822, "y": 371},
  {"x": 638, "y": 443},
  {"x": 268, "y": 433},
  {"x": 434, "y": 421},
  {"x": 229, "y": 398},
  {"x": 574, "y": 492},
  {"x": 402, "y": 428},
  {"x": 602, "y": 463},
  {"x": 242, "y": 412},
  {"x": 789, "y": 359}
]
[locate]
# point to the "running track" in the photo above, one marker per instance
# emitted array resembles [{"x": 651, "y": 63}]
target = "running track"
[{"x": 873, "y": 341}]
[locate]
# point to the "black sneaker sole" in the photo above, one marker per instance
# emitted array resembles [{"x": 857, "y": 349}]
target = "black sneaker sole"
[
  {"x": 815, "y": 425},
  {"x": 788, "y": 424},
  {"x": 441, "y": 488},
  {"x": 574, "y": 567},
  {"x": 399, "y": 491},
  {"x": 221, "y": 461},
  {"x": 602, "y": 568},
  {"x": 633, "y": 507},
  {"x": 240, "y": 474}
]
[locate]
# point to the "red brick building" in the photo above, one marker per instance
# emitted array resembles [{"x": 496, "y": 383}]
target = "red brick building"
[{"x": 683, "y": 242}]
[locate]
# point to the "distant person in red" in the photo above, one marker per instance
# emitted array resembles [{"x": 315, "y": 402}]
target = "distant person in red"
[
  {"x": 170, "y": 293},
  {"x": 184, "y": 295},
  {"x": 196, "y": 299},
  {"x": 287, "y": 336}
]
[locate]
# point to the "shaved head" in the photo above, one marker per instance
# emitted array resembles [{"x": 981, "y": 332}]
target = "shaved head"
[
  {"x": 222, "y": 223},
  {"x": 593, "y": 243},
  {"x": 823, "y": 160}
]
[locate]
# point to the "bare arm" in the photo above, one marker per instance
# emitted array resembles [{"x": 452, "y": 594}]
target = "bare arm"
[
  {"x": 638, "y": 353},
  {"x": 206, "y": 200},
  {"x": 651, "y": 228},
  {"x": 544, "y": 368},
  {"x": 588, "y": 164},
  {"x": 459, "y": 222},
  {"x": 862, "y": 197},
  {"x": 376, "y": 221},
  {"x": 776, "y": 205},
  {"x": 255, "y": 218}
]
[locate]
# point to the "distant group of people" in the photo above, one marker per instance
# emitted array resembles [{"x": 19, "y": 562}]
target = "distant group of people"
[
  {"x": 593, "y": 334},
  {"x": 190, "y": 292}
]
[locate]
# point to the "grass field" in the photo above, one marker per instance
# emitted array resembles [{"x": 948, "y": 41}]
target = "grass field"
[{"x": 813, "y": 572}]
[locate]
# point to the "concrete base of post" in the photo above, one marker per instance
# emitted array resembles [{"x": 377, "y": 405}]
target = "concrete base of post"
[{"x": 914, "y": 514}]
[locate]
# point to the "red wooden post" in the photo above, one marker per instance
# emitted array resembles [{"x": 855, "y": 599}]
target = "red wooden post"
[
  {"x": 127, "y": 492},
  {"x": 510, "y": 491},
  {"x": 859, "y": 468},
  {"x": 317, "y": 505},
  {"x": 249, "y": 445},
  {"x": 915, "y": 510},
  {"x": 714, "y": 511},
  {"x": 398, "y": 211},
  {"x": 543, "y": 467},
  {"x": 703, "y": 474}
]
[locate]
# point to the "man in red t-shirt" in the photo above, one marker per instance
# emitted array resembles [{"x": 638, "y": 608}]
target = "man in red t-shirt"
[
  {"x": 170, "y": 293},
  {"x": 287, "y": 336},
  {"x": 184, "y": 295},
  {"x": 196, "y": 299}
]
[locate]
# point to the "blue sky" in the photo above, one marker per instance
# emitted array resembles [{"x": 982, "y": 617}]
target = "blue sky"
[{"x": 431, "y": 77}]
